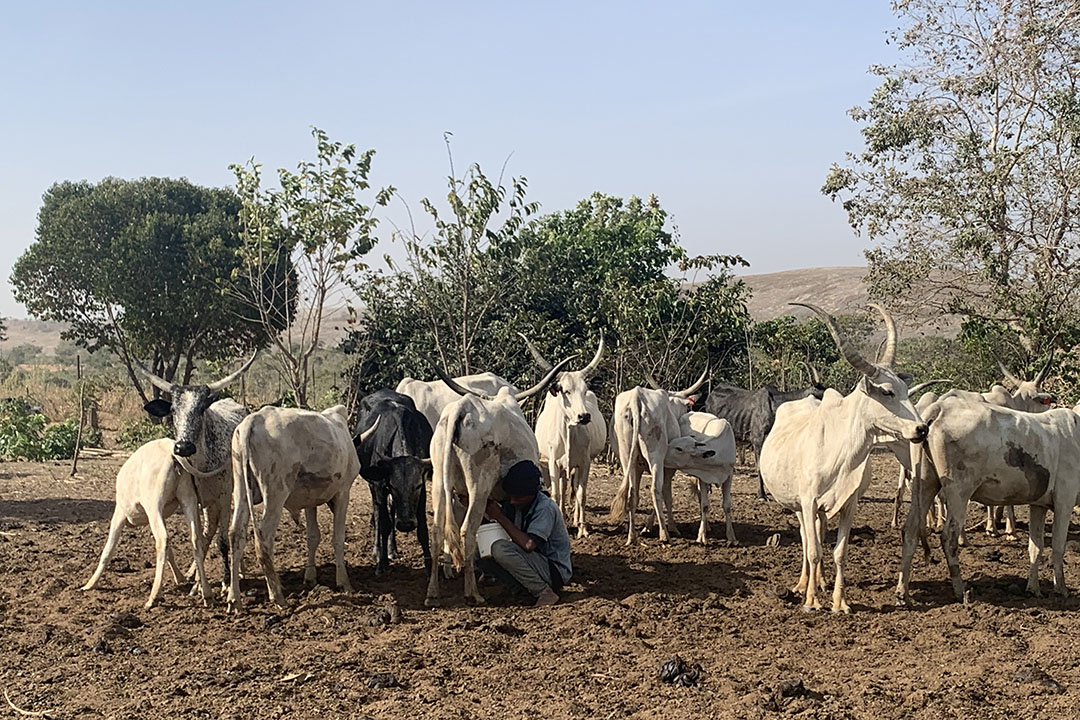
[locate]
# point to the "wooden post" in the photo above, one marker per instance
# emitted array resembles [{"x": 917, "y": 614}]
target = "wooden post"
[{"x": 82, "y": 412}]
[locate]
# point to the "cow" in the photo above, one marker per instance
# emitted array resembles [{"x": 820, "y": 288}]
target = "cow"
[
  {"x": 645, "y": 422},
  {"x": 996, "y": 456},
  {"x": 430, "y": 397},
  {"x": 149, "y": 488},
  {"x": 706, "y": 451},
  {"x": 752, "y": 412},
  {"x": 396, "y": 463},
  {"x": 291, "y": 459},
  {"x": 1027, "y": 396},
  {"x": 570, "y": 432},
  {"x": 816, "y": 459},
  {"x": 902, "y": 450},
  {"x": 203, "y": 426},
  {"x": 477, "y": 439}
]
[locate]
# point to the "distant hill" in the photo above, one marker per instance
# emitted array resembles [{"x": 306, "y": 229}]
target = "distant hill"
[{"x": 45, "y": 335}]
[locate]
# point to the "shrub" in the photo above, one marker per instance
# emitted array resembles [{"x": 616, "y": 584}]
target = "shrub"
[
  {"x": 134, "y": 435},
  {"x": 25, "y": 433}
]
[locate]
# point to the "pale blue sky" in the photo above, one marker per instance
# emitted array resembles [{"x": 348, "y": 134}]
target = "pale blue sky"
[{"x": 730, "y": 112}]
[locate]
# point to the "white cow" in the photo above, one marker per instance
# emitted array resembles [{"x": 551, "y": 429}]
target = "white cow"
[
  {"x": 477, "y": 439},
  {"x": 706, "y": 451},
  {"x": 902, "y": 450},
  {"x": 816, "y": 459},
  {"x": 296, "y": 460},
  {"x": 996, "y": 456},
  {"x": 571, "y": 432},
  {"x": 149, "y": 488},
  {"x": 645, "y": 422},
  {"x": 430, "y": 397}
]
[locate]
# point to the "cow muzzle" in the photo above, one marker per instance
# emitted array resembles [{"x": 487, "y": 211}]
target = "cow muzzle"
[
  {"x": 184, "y": 448},
  {"x": 405, "y": 525},
  {"x": 921, "y": 432},
  {"x": 584, "y": 418}
]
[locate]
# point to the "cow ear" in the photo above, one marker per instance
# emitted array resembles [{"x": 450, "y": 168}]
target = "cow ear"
[
  {"x": 158, "y": 408},
  {"x": 553, "y": 388}
]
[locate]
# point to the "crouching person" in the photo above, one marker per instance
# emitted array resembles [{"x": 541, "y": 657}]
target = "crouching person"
[{"x": 536, "y": 559}]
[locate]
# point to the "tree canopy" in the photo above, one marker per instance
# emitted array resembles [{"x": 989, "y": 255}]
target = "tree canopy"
[
  {"x": 969, "y": 179},
  {"x": 137, "y": 267}
]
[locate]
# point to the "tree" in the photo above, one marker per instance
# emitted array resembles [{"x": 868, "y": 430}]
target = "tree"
[
  {"x": 970, "y": 174},
  {"x": 317, "y": 220},
  {"x": 21, "y": 354},
  {"x": 135, "y": 267},
  {"x": 3, "y": 329}
]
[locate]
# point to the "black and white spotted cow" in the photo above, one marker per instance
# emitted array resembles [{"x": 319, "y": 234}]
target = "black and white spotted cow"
[{"x": 204, "y": 428}]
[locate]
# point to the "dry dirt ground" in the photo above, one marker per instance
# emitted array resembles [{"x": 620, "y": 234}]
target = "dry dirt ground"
[{"x": 595, "y": 655}]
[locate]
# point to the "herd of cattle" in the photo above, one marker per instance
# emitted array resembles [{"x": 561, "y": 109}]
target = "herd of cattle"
[{"x": 460, "y": 435}]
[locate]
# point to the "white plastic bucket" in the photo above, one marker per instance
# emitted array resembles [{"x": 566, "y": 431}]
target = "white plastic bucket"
[{"x": 487, "y": 535}]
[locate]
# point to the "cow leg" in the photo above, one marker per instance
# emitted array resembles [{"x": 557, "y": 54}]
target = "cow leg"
[
  {"x": 473, "y": 516},
  {"x": 380, "y": 518},
  {"x": 116, "y": 526},
  {"x": 580, "y": 485},
  {"x": 311, "y": 524},
  {"x": 189, "y": 503},
  {"x": 265, "y": 532},
  {"x": 391, "y": 540},
  {"x": 901, "y": 482},
  {"x": 1036, "y": 538},
  {"x": 725, "y": 489},
  {"x": 422, "y": 528},
  {"x": 703, "y": 501},
  {"x": 843, "y": 532},
  {"x": 238, "y": 527},
  {"x": 1010, "y": 522},
  {"x": 1062, "y": 514},
  {"x": 633, "y": 475},
  {"x": 992, "y": 516},
  {"x": 758, "y": 442},
  {"x": 340, "y": 506},
  {"x": 813, "y": 554},
  {"x": 439, "y": 506},
  {"x": 556, "y": 482},
  {"x": 669, "y": 504},
  {"x": 956, "y": 506},
  {"x": 161, "y": 545},
  {"x": 924, "y": 491},
  {"x": 804, "y": 574}
]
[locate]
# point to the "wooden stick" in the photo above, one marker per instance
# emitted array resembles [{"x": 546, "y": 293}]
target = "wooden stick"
[{"x": 20, "y": 711}]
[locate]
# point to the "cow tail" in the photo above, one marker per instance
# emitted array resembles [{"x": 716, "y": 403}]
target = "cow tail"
[
  {"x": 621, "y": 502},
  {"x": 451, "y": 529}
]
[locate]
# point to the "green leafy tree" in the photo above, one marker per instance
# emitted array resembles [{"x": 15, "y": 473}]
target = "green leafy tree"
[
  {"x": 317, "y": 221},
  {"x": 968, "y": 177},
  {"x": 135, "y": 267},
  {"x": 21, "y": 354}
]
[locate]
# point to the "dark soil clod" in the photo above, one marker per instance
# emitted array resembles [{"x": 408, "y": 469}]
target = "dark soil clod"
[
  {"x": 679, "y": 672},
  {"x": 271, "y": 621},
  {"x": 383, "y": 680}
]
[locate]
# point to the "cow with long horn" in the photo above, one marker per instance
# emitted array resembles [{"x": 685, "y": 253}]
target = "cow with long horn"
[
  {"x": 477, "y": 439},
  {"x": 645, "y": 422},
  {"x": 203, "y": 427},
  {"x": 571, "y": 432},
  {"x": 816, "y": 459}
]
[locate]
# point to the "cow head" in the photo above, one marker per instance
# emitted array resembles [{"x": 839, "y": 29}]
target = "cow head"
[
  {"x": 189, "y": 402},
  {"x": 686, "y": 451},
  {"x": 570, "y": 390},
  {"x": 889, "y": 411},
  {"x": 1027, "y": 395},
  {"x": 400, "y": 480}
]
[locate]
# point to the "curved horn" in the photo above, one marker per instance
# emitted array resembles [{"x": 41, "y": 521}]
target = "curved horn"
[
  {"x": 368, "y": 433},
  {"x": 652, "y": 381},
  {"x": 225, "y": 381},
  {"x": 700, "y": 381},
  {"x": 591, "y": 368},
  {"x": 526, "y": 394},
  {"x": 453, "y": 385},
  {"x": 889, "y": 353},
  {"x": 540, "y": 359},
  {"x": 850, "y": 354},
  {"x": 811, "y": 372},
  {"x": 923, "y": 385},
  {"x": 1046, "y": 368},
  {"x": 1005, "y": 371},
  {"x": 157, "y": 382}
]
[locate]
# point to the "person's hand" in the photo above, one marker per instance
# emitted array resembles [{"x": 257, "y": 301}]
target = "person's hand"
[{"x": 493, "y": 511}]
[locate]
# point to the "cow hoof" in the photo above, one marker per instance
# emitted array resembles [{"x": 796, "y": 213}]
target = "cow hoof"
[
  {"x": 234, "y": 608},
  {"x": 903, "y": 602},
  {"x": 432, "y": 602},
  {"x": 810, "y": 608},
  {"x": 842, "y": 609},
  {"x": 475, "y": 601},
  {"x": 381, "y": 569},
  {"x": 1034, "y": 591},
  {"x": 393, "y": 555}
]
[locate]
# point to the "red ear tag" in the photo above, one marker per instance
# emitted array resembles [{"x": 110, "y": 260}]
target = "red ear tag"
[{"x": 1046, "y": 401}]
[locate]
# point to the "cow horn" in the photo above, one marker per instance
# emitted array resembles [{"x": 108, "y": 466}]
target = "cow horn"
[
  {"x": 453, "y": 385},
  {"x": 652, "y": 381},
  {"x": 157, "y": 382},
  {"x": 591, "y": 368},
  {"x": 540, "y": 359},
  {"x": 369, "y": 432},
  {"x": 812, "y": 372},
  {"x": 538, "y": 387},
  {"x": 700, "y": 381},
  {"x": 888, "y": 355},
  {"x": 850, "y": 354},
  {"x": 1005, "y": 371},
  {"x": 226, "y": 381},
  {"x": 1046, "y": 368},
  {"x": 920, "y": 386}
]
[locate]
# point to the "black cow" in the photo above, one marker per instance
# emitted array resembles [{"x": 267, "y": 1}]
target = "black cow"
[
  {"x": 752, "y": 412},
  {"x": 396, "y": 462}
]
